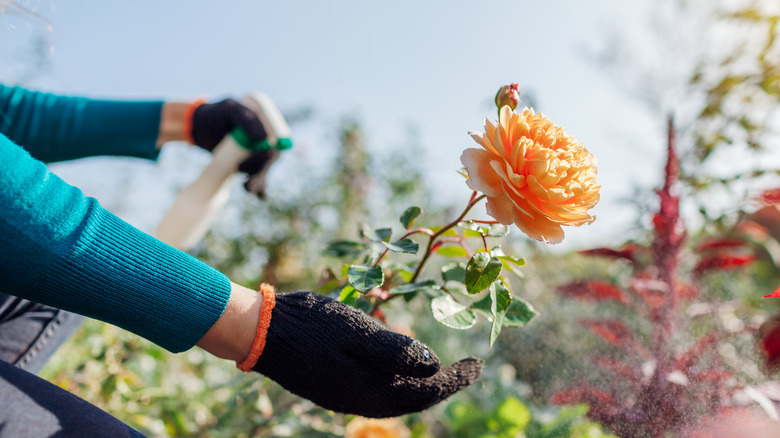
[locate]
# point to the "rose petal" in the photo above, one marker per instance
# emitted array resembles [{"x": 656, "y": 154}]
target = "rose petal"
[{"x": 481, "y": 175}]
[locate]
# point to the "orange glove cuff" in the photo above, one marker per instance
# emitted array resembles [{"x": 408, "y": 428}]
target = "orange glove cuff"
[
  {"x": 187, "y": 128},
  {"x": 269, "y": 300}
]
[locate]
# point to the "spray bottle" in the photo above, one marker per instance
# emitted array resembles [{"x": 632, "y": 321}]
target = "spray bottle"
[{"x": 197, "y": 204}]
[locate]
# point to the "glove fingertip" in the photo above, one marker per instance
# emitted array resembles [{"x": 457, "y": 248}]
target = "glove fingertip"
[{"x": 469, "y": 369}]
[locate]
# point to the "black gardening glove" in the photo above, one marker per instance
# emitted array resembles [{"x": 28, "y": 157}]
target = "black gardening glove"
[
  {"x": 341, "y": 359},
  {"x": 211, "y": 122}
]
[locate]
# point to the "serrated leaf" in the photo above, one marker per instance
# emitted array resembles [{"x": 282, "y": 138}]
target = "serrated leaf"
[
  {"x": 520, "y": 313},
  {"x": 476, "y": 229},
  {"x": 513, "y": 264},
  {"x": 412, "y": 287},
  {"x": 408, "y": 217},
  {"x": 500, "y": 299},
  {"x": 365, "y": 278},
  {"x": 377, "y": 235},
  {"x": 348, "y": 295},
  {"x": 497, "y": 230},
  {"x": 468, "y": 225},
  {"x": 451, "y": 313},
  {"x": 481, "y": 271},
  {"x": 406, "y": 246},
  {"x": 497, "y": 251},
  {"x": 513, "y": 260},
  {"x": 454, "y": 272},
  {"x": 452, "y": 251},
  {"x": 343, "y": 248}
]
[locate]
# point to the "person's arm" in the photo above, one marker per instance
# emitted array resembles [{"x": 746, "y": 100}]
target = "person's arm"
[
  {"x": 61, "y": 248},
  {"x": 232, "y": 336},
  {"x": 56, "y": 128},
  {"x": 172, "y": 123}
]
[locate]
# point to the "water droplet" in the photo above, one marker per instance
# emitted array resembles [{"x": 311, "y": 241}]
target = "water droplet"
[{"x": 427, "y": 355}]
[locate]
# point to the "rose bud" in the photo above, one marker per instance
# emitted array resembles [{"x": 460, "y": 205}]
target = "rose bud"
[{"x": 508, "y": 95}]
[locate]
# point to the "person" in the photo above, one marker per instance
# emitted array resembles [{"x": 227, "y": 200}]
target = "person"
[{"x": 63, "y": 256}]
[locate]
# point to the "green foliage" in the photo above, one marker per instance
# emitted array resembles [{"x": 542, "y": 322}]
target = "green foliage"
[
  {"x": 365, "y": 278},
  {"x": 481, "y": 271},
  {"x": 451, "y": 313},
  {"x": 511, "y": 418},
  {"x": 456, "y": 300},
  {"x": 407, "y": 246},
  {"x": 408, "y": 217}
]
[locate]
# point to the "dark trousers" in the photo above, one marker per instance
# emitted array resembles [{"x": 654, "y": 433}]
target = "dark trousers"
[{"x": 30, "y": 333}]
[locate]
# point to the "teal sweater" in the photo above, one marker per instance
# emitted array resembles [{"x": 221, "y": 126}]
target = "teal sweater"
[{"x": 61, "y": 248}]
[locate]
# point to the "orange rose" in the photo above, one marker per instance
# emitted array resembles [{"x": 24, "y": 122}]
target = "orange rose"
[
  {"x": 533, "y": 174},
  {"x": 377, "y": 428}
]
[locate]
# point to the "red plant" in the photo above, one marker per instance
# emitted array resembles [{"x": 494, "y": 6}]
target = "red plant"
[{"x": 668, "y": 388}]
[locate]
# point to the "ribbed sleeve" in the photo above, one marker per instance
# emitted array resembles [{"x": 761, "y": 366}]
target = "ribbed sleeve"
[
  {"x": 61, "y": 248},
  {"x": 57, "y": 128}
]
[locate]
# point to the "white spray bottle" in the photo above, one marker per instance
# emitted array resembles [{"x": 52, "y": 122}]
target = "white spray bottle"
[{"x": 196, "y": 205}]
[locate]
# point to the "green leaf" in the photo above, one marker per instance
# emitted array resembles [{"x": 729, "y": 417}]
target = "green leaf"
[
  {"x": 411, "y": 213},
  {"x": 520, "y": 313},
  {"x": 407, "y": 246},
  {"x": 349, "y": 295},
  {"x": 481, "y": 271},
  {"x": 413, "y": 287},
  {"x": 331, "y": 285},
  {"x": 476, "y": 229},
  {"x": 451, "y": 313},
  {"x": 343, "y": 248},
  {"x": 484, "y": 305},
  {"x": 378, "y": 235},
  {"x": 513, "y": 260},
  {"x": 468, "y": 225},
  {"x": 501, "y": 299},
  {"x": 452, "y": 251},
  {"x": 497, "y": 251},
  {"x": 497, "y": 230},
  {"x": 364, "y": 278},
  {"x": 454, "y": 272},
  {"x": 513, "y": 264},
  {"x": 450, "y": 232},
  {"x": 363, "y": 305}
]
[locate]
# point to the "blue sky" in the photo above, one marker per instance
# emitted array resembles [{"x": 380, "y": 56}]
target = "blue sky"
[{"x": 434, "y": 65}]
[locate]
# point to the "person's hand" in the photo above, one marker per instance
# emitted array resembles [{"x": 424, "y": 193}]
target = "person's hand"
[
  {"x": 211, "y": 122},
  {"x": 341, "y": 359}
]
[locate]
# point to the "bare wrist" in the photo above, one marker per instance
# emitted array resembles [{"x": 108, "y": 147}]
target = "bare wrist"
[
  {"x": 231, "y": 337},
  {"x": 172, "y": 122}
]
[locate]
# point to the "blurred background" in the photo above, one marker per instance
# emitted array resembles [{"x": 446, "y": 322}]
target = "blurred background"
[
  {"x": 380, "y": 98},
  {"x": 417, "y": 77}
]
